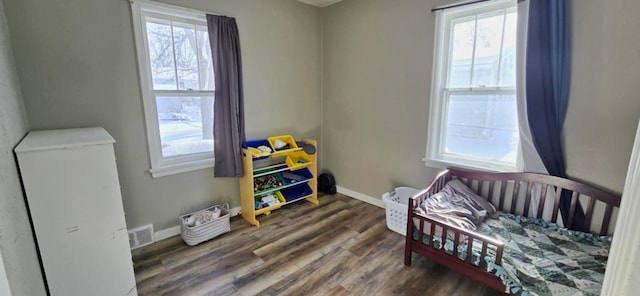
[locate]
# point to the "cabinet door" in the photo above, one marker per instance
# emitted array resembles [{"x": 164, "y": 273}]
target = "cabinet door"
[{"x": 76, "y": 208}]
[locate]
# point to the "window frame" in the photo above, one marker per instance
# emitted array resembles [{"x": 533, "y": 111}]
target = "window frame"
[
  {"x": 161, "y": 166},
  {"x": 435, "y": 155}
]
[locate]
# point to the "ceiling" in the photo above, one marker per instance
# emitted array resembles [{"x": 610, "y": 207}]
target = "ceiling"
[{"x": 320, "y": 3}]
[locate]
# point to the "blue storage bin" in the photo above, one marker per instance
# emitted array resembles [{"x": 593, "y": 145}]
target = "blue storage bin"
[
  {"x": 290, "y": 177},
  {"x": 296, "y": 192},
  {"x": 255, "y": 144}
]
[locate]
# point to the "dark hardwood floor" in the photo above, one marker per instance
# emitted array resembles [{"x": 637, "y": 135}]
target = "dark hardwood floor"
[{"x": 341, "y": 247}]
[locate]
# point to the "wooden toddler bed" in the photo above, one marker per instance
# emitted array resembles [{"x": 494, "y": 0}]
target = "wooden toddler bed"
[{"x": 518, "y": 253}]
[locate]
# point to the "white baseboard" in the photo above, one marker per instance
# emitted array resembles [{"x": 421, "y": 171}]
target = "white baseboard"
[
  {"x": 166, "y": 233},
  {"x": 175, "y": 230},
  {"x": 359, "y": 196}
]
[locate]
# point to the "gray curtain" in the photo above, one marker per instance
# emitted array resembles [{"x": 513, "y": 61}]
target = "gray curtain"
[{"x": 228, "y": 118}]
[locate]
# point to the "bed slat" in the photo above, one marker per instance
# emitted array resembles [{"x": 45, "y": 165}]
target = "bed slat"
[
  {"x": 514, "y": 198},
  {"x": 527, "y": 199},
  {"x": 483, "y": 253},
  {"x": 456, "y": 239},
  {"x": 589, "y": 214},
  {"x": 572, "y": 210},
  {"x": 421, "y": 227},
  {"x": 605, "y": 221},
  {"x": 556, "y": 205},
  {"x": 432, "y": 236},
  {"x": 490, "y": 192},
  {"x": 503, "y": 189},
  {"x": 443, "y": 237},
  {"x": 469, "y": 249},
  {"x": 543, "y": 197}
]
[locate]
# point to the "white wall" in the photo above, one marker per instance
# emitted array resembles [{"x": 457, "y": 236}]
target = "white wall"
[
  {"x": 377, "y": 58},
  {"x": 77, "y": 66},
  {"x": 19, "y": 267},
  {"x": 607, "y": 58},
  {"x": 604, "y": 105}
]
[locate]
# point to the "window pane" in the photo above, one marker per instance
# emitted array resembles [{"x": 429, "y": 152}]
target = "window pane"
[
  {"x": 508, "y": 64},
  {"x": 161, "y": 54},
  {"x": 184, "y": 38},
  {"x": 207, "y": 80},
  {"x": 483, "y": 126},
  {"x": 487, "y": 55},
  {"x": 461, "y": 52},
  {"x": 186, "y": 125}
]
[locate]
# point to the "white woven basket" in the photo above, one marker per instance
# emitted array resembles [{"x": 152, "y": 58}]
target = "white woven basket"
[
  {"x": 396, "y": 204},
  {"x": 193, "y": 235}
]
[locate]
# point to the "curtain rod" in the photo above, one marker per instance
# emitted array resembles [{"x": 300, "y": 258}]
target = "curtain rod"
[
  {"x": 457, "y": 5},
  {"x": 178, "y": 7}
]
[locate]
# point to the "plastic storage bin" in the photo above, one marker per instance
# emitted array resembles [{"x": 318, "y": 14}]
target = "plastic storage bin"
[
  {"x": 266, "y": 183},
  {"x": 285, "y": 138},
  {"x": 255, "y": 144},
  {"x": 297, "y": 192},
  {"x": 397, "y": 202},
  {"x": 267, "y": 210},
  {"x": 298, "y": 176},
  {"x": 193, "y": 235},
  {"x": 298, "y": 160}
]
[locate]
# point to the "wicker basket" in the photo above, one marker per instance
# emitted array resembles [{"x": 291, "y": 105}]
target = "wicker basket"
[{"x": 193, "y": 235}]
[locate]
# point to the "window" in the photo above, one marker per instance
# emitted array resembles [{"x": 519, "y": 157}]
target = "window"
[
  {"x": 176, "y": 74},
  {"x": 473, "y": 114}
]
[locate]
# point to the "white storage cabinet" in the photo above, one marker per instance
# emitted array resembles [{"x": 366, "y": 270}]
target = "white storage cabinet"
[{"x": 74, "y": 199}]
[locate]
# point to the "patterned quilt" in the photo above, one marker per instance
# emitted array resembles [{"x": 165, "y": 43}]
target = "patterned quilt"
[{"x": 542, "y": 259}]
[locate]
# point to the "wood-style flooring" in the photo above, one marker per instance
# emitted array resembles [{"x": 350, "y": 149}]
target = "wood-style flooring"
[{"x": 341, "y": 247}]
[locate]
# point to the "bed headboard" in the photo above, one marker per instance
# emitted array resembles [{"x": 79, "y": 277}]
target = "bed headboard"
[{"x": 527, "y": 193}]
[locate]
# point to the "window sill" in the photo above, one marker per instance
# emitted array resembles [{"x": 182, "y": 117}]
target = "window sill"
[
  {"x": 172, "y": 169},
  {"x": 469, "y": 165}
]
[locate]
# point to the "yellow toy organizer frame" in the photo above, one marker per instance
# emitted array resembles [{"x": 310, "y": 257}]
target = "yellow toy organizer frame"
[{"x": 292, "y": 156}]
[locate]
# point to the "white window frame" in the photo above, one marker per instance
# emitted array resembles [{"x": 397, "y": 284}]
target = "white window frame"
[
  {"x": 184, "y": 163},
  {"x": 435, "y": 156}
]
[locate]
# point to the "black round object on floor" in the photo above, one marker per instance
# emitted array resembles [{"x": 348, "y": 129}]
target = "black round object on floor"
[{"x": 327, "y": 183}]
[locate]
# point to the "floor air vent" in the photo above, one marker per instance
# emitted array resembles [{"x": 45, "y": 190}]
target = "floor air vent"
[{"x": 141, "y": 236}]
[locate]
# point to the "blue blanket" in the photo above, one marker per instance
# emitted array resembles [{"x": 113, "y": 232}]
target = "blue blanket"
[{"x": 539, "y": 257}]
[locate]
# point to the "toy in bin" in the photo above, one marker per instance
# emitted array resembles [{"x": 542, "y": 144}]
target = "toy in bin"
[
  {"x": 201, "y": 217},
  {"x": 266, "y": 182},
  {"x": 260, "y": 151},
  {"x": 266, "y": 201},
  {"x": 280, "y": 145}
]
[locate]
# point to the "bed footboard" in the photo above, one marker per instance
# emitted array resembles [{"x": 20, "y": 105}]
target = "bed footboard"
[{"x": 458, "y": 249}]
